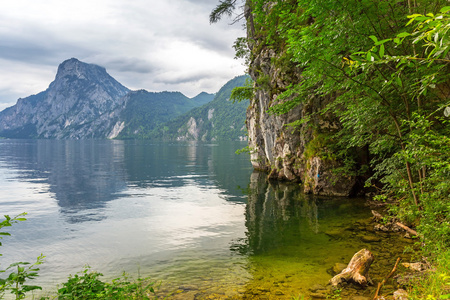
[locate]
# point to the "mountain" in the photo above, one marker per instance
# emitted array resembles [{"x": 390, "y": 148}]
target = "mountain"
[
  {"x": 146, "y": 110},
  {"x": 77, "y": 104},
  {"x": 220, "y": 119},
  {"x": 84, "y": 101}
]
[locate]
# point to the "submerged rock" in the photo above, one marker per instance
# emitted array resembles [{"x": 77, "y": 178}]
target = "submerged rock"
[
  {"x": 335, "y": 233},
  {"x": 370, "y": 239},
  {"x": 319, "y": 295},
  {"x": 338, "y": 267},
  {"x": 418, "y": 266}
]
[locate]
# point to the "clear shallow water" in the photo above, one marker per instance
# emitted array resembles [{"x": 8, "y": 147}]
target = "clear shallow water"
[{"x": 192, "y": 215}]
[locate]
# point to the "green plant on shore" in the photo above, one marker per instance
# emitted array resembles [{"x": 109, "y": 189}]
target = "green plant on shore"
[
  {"x": 87, "y": 285},
  {"x": 20, "y": 272},
  {"x": 435, "y": 286},
  {"x": 336, "y": 294}
]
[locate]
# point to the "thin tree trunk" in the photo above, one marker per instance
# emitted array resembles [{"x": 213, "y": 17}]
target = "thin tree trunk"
[{"x": 408, "y": 165}]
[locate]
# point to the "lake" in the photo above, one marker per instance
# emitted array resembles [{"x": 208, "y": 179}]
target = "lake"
[{"x": 191, "y": 215}]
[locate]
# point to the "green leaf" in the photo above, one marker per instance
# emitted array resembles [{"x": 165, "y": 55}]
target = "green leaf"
[
  {"x": 399, "y": 81},
  {"x": 369, "y": 56},
  {"x": 17, "y": 264},
  {"x": 403, "y": 34},
  {"x": 414, "y": 16},
  {"x": 423, "y": 18},
  {"x": 382, "y": 42},
  {"x": 374, "y": 38},
  {"x": 27, "y": 288},
  {"x": 445, "y": 9},
  {"x": 381, "y": 50}
]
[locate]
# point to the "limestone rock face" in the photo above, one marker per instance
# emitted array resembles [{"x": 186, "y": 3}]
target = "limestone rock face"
[
  {"x": 82, "y": 102},
  {"x": 288, "y": 153}
]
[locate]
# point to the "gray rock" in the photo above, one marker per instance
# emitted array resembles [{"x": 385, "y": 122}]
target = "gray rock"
[
  {"x": 279, "y": 149},
  {"x": 417, "y": 266},
  {"x": 400, "y": 294},
  {"x": 319, "y": 295},
  {"x": 370, "y": 239}
]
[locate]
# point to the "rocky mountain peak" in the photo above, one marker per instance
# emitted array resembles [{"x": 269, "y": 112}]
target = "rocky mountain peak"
[
  {"x": 80, "y": 102},
  {"x": 78, "y": 73},
  {"x": 74, "y": 67}
]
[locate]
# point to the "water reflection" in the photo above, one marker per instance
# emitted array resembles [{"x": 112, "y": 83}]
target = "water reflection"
[
  {"x": 83, "y": 176},
  {"x": 176, "y": 164},
  {"x": 293, "y": 240},
  {"x": 274, "y": 210}
]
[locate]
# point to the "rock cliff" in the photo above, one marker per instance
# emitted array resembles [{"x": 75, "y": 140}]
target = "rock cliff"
[
  {"x": 299, "y": 153},
  {"x": 82, "y": 102}
]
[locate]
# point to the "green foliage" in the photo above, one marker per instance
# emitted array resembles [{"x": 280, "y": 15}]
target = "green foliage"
[
  {"x": 87, "y": 285},
  {"x": 427, "y": 149},
  {"x": 417, "y": 171},
  {"x": 221, "y": 119},
  {"x": 382, "y": 68},
  {"x": 146, "y": 111},
  {"x": 335, "y": 294},
  {"x": 245, "y": 150},
  {"x": 241, "y": 49},
  {"x": 19, "y": 272},
  {"x": 242, "y": 93},
  {"x": 435, "y": 286}
]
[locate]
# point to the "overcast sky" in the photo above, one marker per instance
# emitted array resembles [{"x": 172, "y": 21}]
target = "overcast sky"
[{"x": 156, "y": 45}]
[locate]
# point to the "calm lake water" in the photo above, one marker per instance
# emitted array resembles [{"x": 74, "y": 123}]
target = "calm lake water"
[{"x": 193, "y": 215}]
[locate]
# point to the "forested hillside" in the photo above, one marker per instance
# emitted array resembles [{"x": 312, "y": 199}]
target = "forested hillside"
[
  {"x": 220, "y": 119},
  {"x": 146, "y": 110}
]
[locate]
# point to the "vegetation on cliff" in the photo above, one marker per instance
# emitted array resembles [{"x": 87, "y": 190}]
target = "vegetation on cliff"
[{"x": 385, "y": 66}]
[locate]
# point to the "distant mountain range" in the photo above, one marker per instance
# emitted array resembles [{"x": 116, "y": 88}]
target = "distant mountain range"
[
  {"x": 84, "y": 101},
  {"x": 220, "y": 119}
]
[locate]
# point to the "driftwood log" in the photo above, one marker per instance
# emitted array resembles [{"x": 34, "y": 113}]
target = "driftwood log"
[
  {"x": 411, "y": 231},
  {"x": 357, "y": 269},
  {"x": 378, "y": 217}
]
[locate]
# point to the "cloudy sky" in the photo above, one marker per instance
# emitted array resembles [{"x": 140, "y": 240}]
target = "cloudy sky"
[{"x": 155, "y": 45}]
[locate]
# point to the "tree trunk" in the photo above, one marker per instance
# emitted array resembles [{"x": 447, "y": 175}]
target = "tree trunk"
[{"x": 357, "y": 269}]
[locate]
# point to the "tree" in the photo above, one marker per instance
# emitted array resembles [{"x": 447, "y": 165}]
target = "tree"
[
  {"x": 225, "y": 7},
  {"x": 425, "y": 141}
]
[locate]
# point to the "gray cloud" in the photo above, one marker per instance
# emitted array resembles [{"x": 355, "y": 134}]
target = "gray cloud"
[
  {"x": 162, "y": 45},
  {"x": 130, "y": 64}
]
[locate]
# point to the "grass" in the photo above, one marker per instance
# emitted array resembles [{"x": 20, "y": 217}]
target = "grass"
[{"x": 436, "y": 285}]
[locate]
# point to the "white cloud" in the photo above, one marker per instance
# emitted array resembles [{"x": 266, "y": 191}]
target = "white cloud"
[{"x": 154, "y": 45}]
